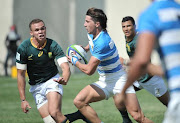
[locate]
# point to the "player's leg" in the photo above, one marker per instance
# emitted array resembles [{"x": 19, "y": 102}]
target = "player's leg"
[
  {"x": 6, "y": 63},
  {"x": 134, "y": 109},
  {"x": 156, "y": 86},
  {"x": 89, "y": 94},
  {"x": 76, "y": 116},
  {"x": 122, "y": 109},
  {"x": 41, "y": 102},
  {"x": 43, "y": 110},
  {"x": 164, "y": 98},
  {"x": 54, "y": 106}
]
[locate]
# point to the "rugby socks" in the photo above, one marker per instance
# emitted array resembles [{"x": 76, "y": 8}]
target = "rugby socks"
[
  {"x": 125, "y": 116},
  {"x": 75, "y": 116}
]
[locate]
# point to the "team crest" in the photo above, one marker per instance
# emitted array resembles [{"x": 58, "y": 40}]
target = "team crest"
[
  {"x": 91, "y": 44},
  {"x": 30, "y": 57},
  {"x": 40, "y": 53},
  {"x": 50, "y": 54},
  {"x": 128, "y": 48}
]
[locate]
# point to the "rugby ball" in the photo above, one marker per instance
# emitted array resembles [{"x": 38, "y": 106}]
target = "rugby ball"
[{"x": 80, "y": 52}]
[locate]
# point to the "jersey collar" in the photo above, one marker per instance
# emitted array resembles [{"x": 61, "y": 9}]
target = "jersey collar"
[{"x": 31, "y": 39}]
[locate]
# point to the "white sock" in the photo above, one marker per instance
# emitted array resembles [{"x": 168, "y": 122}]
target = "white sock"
[{"x": 48, "y": 119}]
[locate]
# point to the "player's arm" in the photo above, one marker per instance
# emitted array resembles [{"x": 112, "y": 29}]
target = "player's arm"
[
  {"x": 124, "y": 62},
  {"x": 86, "y": 48},
  {"x": 155, "y": 70},
  {"x": 21, "y": 87},
  {"x": 89, "y": 68},
  {"x": 21, "y": 83},
  {"x": 65, "y": 71},
  {"x": 63, "y": 63},
  {"x": 121, "y": 59}
]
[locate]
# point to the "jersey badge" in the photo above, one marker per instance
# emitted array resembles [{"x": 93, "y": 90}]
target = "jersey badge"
[
  {"x": 128, "y": 48},
  {"x": 50, "y": 54},
  {"x": 111, "y": 44},
  {"x": 91, "y": 44},
  {"x": 40, "y": 53},
  {"x": 30, "y": 57}
]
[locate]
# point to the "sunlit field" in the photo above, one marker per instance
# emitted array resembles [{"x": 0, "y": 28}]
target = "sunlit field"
[{"x": 10, "y": 110}]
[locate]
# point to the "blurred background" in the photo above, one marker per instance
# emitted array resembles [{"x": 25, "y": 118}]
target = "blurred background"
[{"x": 64, "y": 20}]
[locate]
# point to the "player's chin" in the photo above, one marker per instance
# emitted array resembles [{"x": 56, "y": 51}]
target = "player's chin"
[{"x": 41, "y": 38}]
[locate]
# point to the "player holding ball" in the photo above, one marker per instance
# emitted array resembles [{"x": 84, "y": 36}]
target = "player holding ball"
[{"x": 105, "y": 59}]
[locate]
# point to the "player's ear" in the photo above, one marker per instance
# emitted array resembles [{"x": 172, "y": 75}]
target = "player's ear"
[
  {"x": 31, "y": 33},
  {"x": 97, "y": 24}
]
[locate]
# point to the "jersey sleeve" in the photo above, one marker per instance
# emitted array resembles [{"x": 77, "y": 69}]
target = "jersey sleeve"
[
  {"x": 21, "y": 56},
  {"x": 21, "y": 59},
  {"x": 104, "y": 50},
  {"x": 148, "y": 23},
  {"x": 57, "y": 50}
]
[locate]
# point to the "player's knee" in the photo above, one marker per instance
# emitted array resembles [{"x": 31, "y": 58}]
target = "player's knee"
[
  {"x": 78, "y": 103},
  {"x": 54, "y": 113}
]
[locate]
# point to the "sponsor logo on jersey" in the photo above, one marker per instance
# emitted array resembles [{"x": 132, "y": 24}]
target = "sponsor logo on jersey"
[
  {"x": 40, "y": 53},
  {"x": 18, "y": 56},
  {"x": 128, "y": 48},
  {"x": 50, "y": 54},
  {"x": 30, "y": 57}
]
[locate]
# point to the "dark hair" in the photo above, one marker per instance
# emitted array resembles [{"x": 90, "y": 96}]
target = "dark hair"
[
  {"x": 35, "y": 21},
  {"x": 98, "y": 16},
  {"x": 127, "y": 18}
]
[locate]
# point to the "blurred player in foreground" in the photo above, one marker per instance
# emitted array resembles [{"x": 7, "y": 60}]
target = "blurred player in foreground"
[
  {"x": 37, "y": 55},
  {"x": 105, "y": 59},
  {"x": 159, "y": 25},
  {"x": 153, "y": 84}
]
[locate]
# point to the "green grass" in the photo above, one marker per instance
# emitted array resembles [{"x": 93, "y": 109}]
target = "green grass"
[{"x": 10, "y": 105}]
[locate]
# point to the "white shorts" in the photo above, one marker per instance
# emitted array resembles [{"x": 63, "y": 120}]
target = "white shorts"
[
  {"x": 156, "y": 86},
  {"x": 40, "y": 91},
  {"x": 112, "y": 84}
]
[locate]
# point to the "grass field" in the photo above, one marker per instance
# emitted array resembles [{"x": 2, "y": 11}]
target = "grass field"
[{"x": 10, "y": 109}]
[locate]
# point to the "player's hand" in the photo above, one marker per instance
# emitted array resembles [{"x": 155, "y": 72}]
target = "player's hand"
[
  {"x": 60, "y": 80},
  {"x": 25, "y": 106},
  {"x": 85, "y": 48},
  {"x": 73, "y": 59}
]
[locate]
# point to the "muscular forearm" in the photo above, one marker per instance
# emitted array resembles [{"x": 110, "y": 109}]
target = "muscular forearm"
[
  {"x": 66, "y": 75},
  {"x": 85, "y": 68},
  {"x": 65, "y": 71},
  {"x": 21, "y": 86}
]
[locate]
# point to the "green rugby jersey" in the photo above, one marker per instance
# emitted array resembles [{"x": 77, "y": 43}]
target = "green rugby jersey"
[
  {"x": 130, "y": 48},
  {"x": 40, "y": 62}
]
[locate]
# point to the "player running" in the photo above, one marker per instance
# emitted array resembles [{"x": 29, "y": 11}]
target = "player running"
[{"x": 105, "y": 59}]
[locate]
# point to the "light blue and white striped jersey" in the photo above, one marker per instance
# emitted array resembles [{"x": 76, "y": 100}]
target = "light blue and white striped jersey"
[
  {"x": 104, "y": 49},
  {"x": 162, "y": 18}
]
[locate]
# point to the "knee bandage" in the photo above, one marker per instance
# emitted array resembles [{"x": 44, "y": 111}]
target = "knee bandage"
[{"x": 48, "y": 119}]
